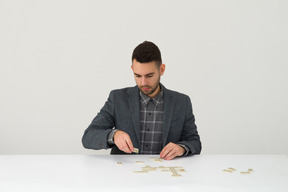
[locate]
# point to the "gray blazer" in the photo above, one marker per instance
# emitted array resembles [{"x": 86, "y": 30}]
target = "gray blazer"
[{"x": 122, "y": 111}]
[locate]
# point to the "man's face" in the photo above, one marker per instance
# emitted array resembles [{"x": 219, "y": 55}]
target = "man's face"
[{"x": 147, "y": 77}]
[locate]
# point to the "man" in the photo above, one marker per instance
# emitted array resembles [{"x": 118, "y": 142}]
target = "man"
[{"x": 148, "y": 116}]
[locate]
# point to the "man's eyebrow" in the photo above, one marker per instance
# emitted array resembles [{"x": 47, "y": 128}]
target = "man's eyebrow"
[
  {"x": 149, "y": 74},
  {"x": 145, "y": 74}
]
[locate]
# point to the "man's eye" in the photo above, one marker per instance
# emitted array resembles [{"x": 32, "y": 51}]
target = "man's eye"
[{"x": 149, "y": 75}]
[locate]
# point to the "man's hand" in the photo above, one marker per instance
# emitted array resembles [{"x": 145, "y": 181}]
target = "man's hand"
[
  {"x": 123, "y": 141},
  {"x": 171, "y": 150}
]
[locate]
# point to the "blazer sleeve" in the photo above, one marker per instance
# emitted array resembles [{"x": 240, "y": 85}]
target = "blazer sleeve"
[
  {"x": 96, "y": 135},
  {"x": 189, "y": 135}
]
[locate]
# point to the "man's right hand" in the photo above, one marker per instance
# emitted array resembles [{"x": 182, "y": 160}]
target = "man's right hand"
[{"x": 123, "y": 141}]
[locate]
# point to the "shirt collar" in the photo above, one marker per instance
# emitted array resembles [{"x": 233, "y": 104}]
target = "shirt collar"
[{"x": 158, "y": 99}]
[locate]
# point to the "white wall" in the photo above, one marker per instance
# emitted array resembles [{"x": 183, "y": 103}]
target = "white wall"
[{"x": 59, "y": 60}]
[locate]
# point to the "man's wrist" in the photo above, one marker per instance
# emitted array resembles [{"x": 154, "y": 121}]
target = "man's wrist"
[
  {"x": 187, "y": 150},
  {"x": 111, "y": 137}
]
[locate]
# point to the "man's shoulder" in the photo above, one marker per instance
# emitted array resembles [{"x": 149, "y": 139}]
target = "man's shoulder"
[
  {"x": 125, "y": 90},
  {"x": 176, "y": 94},
  {"x": 181, "y": 99}
]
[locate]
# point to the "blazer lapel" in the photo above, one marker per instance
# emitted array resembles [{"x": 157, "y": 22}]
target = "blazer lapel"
[
  {"x": 134, "y": 109},
  {"x": 169, "y": 104}
]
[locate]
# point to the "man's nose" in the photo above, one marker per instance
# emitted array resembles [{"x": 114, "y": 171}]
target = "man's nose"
[{"x": 143, "y": 81}]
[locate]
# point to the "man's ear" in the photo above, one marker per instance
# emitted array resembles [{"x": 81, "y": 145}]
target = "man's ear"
[{"x": 162, "y": 69}]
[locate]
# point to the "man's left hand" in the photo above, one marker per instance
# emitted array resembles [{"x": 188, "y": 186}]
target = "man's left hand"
[{"x": 171, "y": 150}]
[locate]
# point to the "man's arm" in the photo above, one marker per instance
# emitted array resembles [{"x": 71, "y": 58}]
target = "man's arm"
[
  {"x": 96, "y": 135},
  {"x": 100, "y": 133},
  {"x": 189, "y": 135}
]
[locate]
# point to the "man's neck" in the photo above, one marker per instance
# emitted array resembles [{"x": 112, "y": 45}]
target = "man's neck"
[{"x": 156, "y": 92}]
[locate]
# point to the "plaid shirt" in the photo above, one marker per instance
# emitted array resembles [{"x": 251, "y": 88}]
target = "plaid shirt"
[{"x": 151, "y": 123}]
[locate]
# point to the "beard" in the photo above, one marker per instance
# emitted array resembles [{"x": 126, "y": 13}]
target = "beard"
[{"x": 153, "y": 89}]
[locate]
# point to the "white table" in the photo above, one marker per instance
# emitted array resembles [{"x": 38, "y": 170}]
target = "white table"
[{"x": 204, "y": 173}]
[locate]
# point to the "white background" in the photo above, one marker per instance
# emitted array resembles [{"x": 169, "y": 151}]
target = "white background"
[{"x": 59, "y": 59}]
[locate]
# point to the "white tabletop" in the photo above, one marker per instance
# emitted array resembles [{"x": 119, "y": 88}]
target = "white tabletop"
[{"x": 83, "y": 173}]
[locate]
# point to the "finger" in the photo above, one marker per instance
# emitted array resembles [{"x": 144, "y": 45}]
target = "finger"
[
  {"x": 126, "y": 148},
  {"x": 166, "y": 151},
  {"x": 171, "y": 155},
  {"x": 177, "y": 151},
  {"x": 123, "y": 141},
  {"x": 162, "y": 153},
  {"x": 130, "y": 144},
  {"x": 127, "y": 144},
  {"x": 121, "y": 144}
]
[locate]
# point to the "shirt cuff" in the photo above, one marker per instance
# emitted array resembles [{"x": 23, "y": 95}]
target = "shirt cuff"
[
  {"x": 187, "y": 150},
  {"x": 110, "y": 137}
]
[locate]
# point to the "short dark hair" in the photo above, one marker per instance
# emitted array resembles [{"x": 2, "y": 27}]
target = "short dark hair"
[{"x": 147, "y": 52}]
